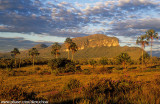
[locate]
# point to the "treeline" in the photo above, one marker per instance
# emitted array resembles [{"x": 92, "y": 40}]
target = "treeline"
[
  {"x": 122, "y": 59},
  {"x": 10, "y": 63}
]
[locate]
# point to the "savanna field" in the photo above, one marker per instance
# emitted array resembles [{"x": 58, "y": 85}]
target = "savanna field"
[
  {"x": 86, "y": 84},
  {"x": 79, "y": 52}
]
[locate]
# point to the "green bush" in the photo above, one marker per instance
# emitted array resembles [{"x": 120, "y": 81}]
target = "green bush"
[
  {"x": 157, "y": 67},
  {"x": 62, "y": 65},
  {"x": 93, "y": 63},
  {"x": 72, "y": 84},
  {"x": 70, "y": 67}
]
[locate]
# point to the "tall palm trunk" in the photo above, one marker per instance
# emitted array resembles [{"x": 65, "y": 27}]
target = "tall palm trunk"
[
  {"x": 33, "y": 60},
  {"x": 56, "y": 54},
  {"x": 15, "y": 61},
  {"x": 124, "y": 64},
  {"x": 142, "y": 56},
  {"x": 72, "y": 55},
  {"x": 151, "y": 49},
  {"x": 20, "y": 62},
  {"x": 68, "y": 53}
]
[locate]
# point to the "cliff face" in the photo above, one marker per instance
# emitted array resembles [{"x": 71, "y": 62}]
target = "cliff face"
[{"x": 96, "y": 40}]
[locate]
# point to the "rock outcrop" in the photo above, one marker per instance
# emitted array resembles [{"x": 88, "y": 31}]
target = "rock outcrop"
[{"x": 96, "y": 40}]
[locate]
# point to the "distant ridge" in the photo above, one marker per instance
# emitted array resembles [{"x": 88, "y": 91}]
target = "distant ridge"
[
  {"x": 95, "y": 46},
  {"x": 92, "y": 46},
  {"x": 96, "y": 40},
  {"x": 40, "y": 46}
]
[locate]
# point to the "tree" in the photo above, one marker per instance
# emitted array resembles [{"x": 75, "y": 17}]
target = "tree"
[
  {"x": 15, "y": 52},
  {"x": 33, "y": 52},
  {"x": 55, "y": 49},
  {"x": 146, "y": 58},
  {"x": 151, "y": 34},
  {"x": 73, "y": 47},
  {"x": 123, "y": 58},
  {"x": 103, "y": 61},
  {"x": 142, "y": 40},
  {"x": 68, "y": 42},
  {"x": 92, "y": 63}
]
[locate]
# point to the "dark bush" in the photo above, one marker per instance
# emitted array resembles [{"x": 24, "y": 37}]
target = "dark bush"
[
  {"x": 37, "y": 68},
  {"x": 6, "y": 63},
  {"x": 109, "y": 91},
  {"x": 105, "y": 70},
  {"x": 62, "y": 65},
  {"x": 70, "y": 67},
  {"x": 78, "y": 68},
  {"x": 86, "y": 71},
  {"x": 16, "y": 93}
]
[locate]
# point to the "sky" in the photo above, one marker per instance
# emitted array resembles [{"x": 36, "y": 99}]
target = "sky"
[{"x": 25, "y": 23}]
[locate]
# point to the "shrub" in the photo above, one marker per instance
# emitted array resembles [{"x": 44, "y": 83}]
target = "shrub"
[
  {"x": 103, "y": 61},
  {"x": 92, "y": 63},
  {"x": 123, "y": 58},
  {"x": 44, "y": 72},
  {"x": 105, "y": 70},
  {"x": 62, "y": 65},
  {"x": 37, "y": 68},
  {"x": 157, "y": 67},
  {"x": 78, "y": 68},
  {"x": 86, "y": 71},
  {"x": 70, "y": 67},
  {"x": 109, "y": 91},
  {"x": 83, "y": 62},
  {"x": 72, "y": 84},
  {"x": 16, "y": 93},
  {"x": 118, "y": 68},
  {"x": 7, "y": 63}
]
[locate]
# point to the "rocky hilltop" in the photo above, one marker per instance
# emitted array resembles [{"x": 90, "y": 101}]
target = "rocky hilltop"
[
  {"x": 93, "y": 46},
  {"x": 96, "y": 40}
]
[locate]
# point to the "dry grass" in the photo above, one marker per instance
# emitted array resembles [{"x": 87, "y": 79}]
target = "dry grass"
[{"x": 44, "y": 84}]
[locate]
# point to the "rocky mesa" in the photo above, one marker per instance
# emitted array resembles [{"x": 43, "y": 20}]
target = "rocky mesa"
[{"x": 96, "y": 40}]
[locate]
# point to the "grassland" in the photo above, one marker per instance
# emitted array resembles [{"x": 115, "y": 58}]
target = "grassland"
[{"x": 49, "y": 86}]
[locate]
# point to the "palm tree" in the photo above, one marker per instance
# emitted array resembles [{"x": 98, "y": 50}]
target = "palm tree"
[
  {"x": 142, "y": 40},
  {"x": 33, "y": 52},
  {"x": 15, "y": 52},
  {"x": 55, "y": 49},
  {"x": 73, "y": 47},
  {"x": 151, "y": 34},
  {"x": 68, "y": 42}
]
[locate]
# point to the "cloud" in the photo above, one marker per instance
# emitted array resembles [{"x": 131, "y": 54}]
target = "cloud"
[
  {"x": 7, "y": 44},
  {"x": 63, "y": 18},
  {"x": 134, "y": 27},
  {"x": 134, "y": 5},
  {"x": 34, "y": 16}
]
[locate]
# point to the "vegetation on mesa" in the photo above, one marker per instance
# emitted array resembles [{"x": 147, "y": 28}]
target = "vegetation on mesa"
[{"x": 70, "y": 80}]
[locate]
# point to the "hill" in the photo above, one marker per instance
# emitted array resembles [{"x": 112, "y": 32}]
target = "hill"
[
  {"x": 96, "y": 40},
  {"x": 96, "y": 52},
  {"x": 40, "y": 46},
  {"x": 93, "y": 46}
]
